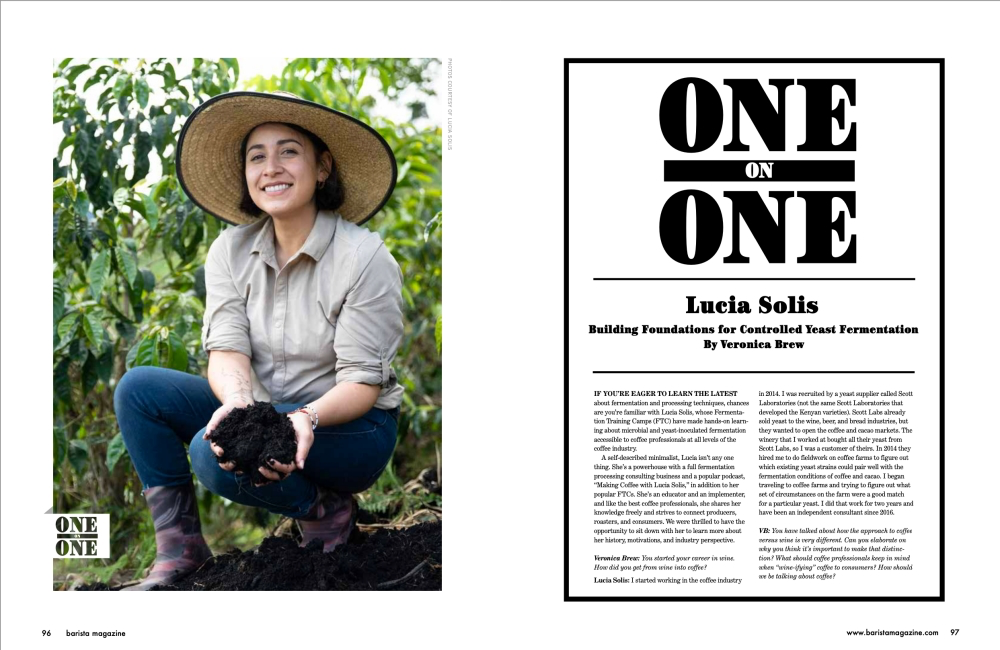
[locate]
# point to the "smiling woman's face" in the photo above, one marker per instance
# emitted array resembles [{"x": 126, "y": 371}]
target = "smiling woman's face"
[{"x": 282, "y": 170}]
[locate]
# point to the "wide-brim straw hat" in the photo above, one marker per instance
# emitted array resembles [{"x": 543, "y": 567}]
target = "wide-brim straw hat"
[{"x": 211, "y": 172}]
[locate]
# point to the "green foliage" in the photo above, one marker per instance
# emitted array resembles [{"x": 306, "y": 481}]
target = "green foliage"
[
  {"x": 389, "y": 497},
  {"x": 129, "y": 248}
]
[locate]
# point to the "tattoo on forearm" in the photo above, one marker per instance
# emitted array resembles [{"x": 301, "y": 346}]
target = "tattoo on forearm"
[{"x": 237, "y": 385}]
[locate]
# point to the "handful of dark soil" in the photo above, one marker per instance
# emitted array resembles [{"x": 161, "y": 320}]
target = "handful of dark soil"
[{"x": 250, "y": 436}]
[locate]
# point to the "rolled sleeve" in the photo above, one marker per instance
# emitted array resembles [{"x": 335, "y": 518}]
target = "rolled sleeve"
[
  {"x": 226, "y": 326},
  {"x": 370, "y": 326}
]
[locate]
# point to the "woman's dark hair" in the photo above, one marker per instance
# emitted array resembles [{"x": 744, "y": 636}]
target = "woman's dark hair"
[{"x": 328, "y": 197}]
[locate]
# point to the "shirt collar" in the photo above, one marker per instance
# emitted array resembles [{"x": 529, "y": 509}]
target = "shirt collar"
[
  {"x": 315, "y": 245},
  {"x": 264, "y": 243},
  {"x": 321, "y": 235}
]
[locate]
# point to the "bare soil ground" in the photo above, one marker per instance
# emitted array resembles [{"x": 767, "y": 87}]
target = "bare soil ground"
[{"x": 386, "y": 559}]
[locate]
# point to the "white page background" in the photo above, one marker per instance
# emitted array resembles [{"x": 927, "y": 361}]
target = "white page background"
[{"x": 503, "y": 265}]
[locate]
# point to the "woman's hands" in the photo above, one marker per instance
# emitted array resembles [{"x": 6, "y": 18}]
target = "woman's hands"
[
  {"x": 304, "y": 440},
  {"x": 344, "y": 402},
  {"x": 217, "y": 417},
  {"x": 229, "y": 378}
]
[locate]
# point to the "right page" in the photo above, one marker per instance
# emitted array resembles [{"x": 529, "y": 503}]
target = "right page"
[{"x": 755, "y": 329}]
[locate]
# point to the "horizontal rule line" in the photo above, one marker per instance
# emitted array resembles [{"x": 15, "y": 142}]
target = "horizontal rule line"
[
  {"x": 758, "y": 170},
  {"x": 75, "y": 536},
  {"x": 754, "y": 372},
  {"x": 746, "y": 279}
]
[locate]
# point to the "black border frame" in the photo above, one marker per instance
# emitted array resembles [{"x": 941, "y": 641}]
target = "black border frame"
[{"x": 566, "y": 596}]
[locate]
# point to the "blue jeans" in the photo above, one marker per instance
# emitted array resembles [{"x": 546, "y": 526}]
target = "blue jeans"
[{"x": 160, "y": 410}]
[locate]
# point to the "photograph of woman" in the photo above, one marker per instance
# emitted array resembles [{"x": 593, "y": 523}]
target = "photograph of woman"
[{"x": 303, "y": 309}]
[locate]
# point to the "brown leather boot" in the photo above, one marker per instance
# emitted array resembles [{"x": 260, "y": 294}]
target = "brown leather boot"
[
  {"x": 180, "y": 548},
  {"x": 331, "y": 519}
]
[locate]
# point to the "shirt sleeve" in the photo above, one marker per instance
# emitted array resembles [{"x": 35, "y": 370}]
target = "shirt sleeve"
[
  {"x": 370, "y": 326},
  {"x": 226, "y": 326}
]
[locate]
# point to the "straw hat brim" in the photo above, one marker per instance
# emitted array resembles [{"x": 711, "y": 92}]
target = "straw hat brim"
[{"x": 211, "y": 172}]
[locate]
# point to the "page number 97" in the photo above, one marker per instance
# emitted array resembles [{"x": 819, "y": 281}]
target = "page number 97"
[{"x": 954, "y": 631}]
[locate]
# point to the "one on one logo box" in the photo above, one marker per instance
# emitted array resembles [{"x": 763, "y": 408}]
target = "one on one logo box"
[{"x": 79, "y": 535}]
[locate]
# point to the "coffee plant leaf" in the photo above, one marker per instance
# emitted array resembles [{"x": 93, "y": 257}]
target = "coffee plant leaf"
[
  {"x": 127, "y": 263},
  {"x": 116, "y": 449},
  {"x": 98, "y": 273},
  {"x": 178, "y": 356},
  {"x": 146, "y": 353}
]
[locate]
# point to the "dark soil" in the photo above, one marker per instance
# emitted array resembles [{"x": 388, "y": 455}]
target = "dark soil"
[
  {"x": 251, "y": 436},
  {"x": 391, "y": 560},
  {"x": 397, "y": 560}
]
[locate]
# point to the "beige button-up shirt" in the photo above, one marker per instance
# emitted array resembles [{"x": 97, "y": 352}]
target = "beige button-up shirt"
[{"x": 332, "y": 314}]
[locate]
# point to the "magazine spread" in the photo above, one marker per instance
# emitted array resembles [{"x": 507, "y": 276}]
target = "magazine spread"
[{"x": 720, "y": 287}]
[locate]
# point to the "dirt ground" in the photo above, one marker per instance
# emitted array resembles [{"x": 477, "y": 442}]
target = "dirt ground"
[{"x": 387, "y": 559}]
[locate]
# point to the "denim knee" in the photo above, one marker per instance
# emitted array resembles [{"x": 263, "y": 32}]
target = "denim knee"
[
  {"x": 291, "y": 498},
  {"x": 132, "y": 385},
  {"x": 206, "y": 467}
]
